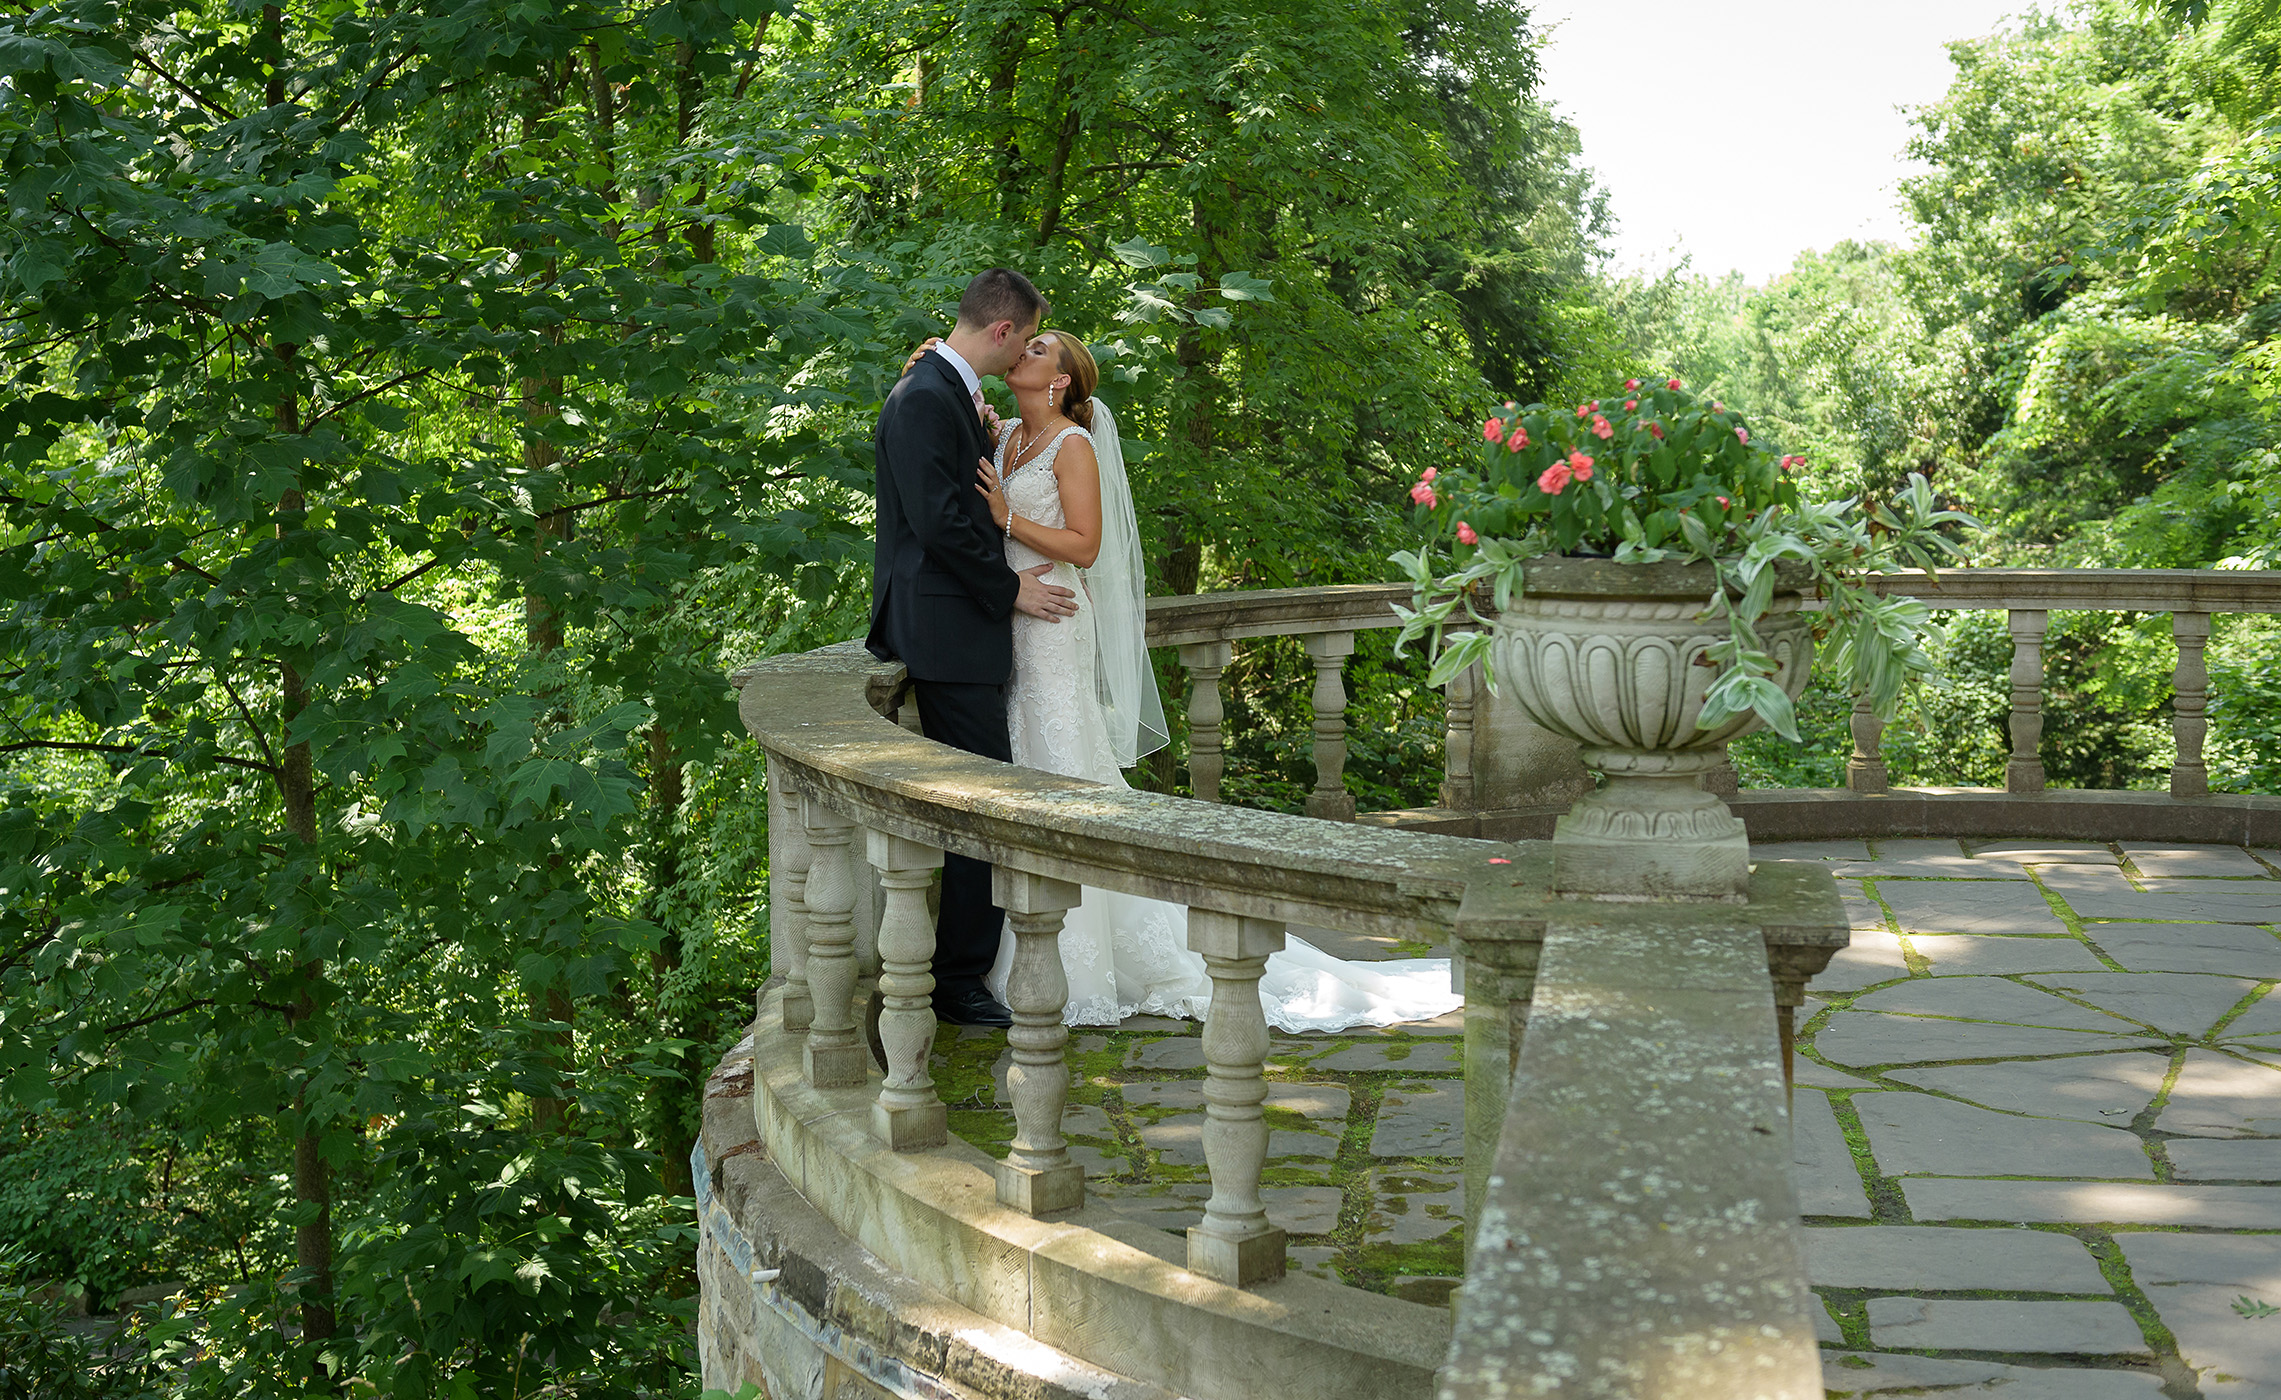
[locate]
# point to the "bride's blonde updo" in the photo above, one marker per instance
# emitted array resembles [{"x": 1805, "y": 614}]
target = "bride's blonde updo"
[{"x": 1077, "y": 363}]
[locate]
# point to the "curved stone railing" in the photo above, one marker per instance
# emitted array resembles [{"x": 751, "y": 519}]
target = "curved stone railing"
[
  {"x": 1626, "y": 1183},
  {"x": 1505, "y": 778},
  {"x": 1017, "y": 1243}
]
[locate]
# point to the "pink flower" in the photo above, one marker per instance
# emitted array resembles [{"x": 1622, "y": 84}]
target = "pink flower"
[
  {"x": 1424, "y": 495},
  {"x": 1429, "y": 474},
  {"x": 1657, "y": 430},
  {"x": 1630, "y": 404},
  {"x": 1601, "y": 428},
  {"x": 1499, "y": 860},
  {"x": 1582, "y": 409},
  {"x": 1742, "y": 435},
  {"x": 1494, "y": 430},
  {"x": 1518, "y": 440},
  {"x": 1631, "y": 384},
  {"x": 1717, "y": 407},
  {"x": 1581, "y": 465},
  {"x": 1510, "y": 405},
  {"x": 1465, "y": 534},
  {"x": 1789, "y": 462},
  {"x": 1724, "y": 503},
  {"x": 1672, "y": 385},
  {"x": 1556, "y": 477}
]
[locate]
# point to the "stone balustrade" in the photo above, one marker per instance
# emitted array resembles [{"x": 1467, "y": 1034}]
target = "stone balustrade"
[
  {"x": 851, "y": 1240},
  {"x": 1506, "y": 778},
  {"x": 864, "y": 810},
  {"x": 2029, "y": 597}
]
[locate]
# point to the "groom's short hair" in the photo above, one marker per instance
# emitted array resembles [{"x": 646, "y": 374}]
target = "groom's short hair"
[{"x": 1001, "y": 294}]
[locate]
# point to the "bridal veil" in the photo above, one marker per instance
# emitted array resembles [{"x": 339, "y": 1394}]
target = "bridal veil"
[{"x": 1117, "y": 584}]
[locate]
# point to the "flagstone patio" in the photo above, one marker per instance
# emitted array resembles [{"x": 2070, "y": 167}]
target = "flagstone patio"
[{"x": 2038, "y": 1124}]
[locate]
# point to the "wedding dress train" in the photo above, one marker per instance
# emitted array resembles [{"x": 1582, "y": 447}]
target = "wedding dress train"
[{"x": 1128, "y": 955}]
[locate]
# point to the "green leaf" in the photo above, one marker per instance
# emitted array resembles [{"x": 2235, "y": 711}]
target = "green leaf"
[{"x": 1242, "y": 286}]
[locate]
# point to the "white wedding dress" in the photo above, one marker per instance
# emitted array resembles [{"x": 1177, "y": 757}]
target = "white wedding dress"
[{"x": 1125, "y": 954}]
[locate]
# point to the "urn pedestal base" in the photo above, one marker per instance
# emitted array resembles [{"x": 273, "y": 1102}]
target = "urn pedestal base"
[{"x": 1652, "y": 833}]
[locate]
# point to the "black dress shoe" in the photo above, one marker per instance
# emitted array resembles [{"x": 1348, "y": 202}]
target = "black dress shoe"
[{"x": 972, "y": 1007}]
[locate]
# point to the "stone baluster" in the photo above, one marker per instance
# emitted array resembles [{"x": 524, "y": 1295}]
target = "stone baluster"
[
  {"x": 1037, "y": 1177},
  {"x": 788, "y": 859},
  {"x": 2189, "y": 776},
  {"x": 907, "y": 1114},
  {"x": 835, "y": 1055},
  {"x": 1457, "y": 741},
  {"x": 1330, "y": 799},
  {"x": 1865, "y": 771},
  {"x": 1235, "y": 1244},
  {"x": 2025, "y": 771},
  {"x": 1204, "y": 662}
]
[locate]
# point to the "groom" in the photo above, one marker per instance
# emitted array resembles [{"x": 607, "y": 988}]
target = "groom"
[{"x": 943, "y": 596}]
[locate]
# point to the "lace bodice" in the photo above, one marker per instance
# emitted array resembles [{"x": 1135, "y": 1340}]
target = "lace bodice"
[{"x": 1034, "y": 493}]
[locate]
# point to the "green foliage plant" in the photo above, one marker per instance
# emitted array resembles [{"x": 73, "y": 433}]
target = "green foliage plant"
[
  {"x": 1653, "y": 472},
  {"x": 43, "y": 1356}
]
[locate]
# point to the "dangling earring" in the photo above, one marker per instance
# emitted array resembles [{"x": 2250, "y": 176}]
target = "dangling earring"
[{"x": 1049, "y": 397}]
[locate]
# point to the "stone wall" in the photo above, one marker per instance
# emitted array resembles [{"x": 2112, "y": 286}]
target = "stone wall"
[{"x": 792, "y": 1306}]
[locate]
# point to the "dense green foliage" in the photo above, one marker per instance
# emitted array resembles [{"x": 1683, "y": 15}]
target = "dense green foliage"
[
  {"x": 2080, "y": 349},
  {"x": 415, "y": 408}
]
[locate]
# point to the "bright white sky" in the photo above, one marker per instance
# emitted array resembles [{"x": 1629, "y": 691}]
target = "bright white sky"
[{"x": 1746, "y": 131}]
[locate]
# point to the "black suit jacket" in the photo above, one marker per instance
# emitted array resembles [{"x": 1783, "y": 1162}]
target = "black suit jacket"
[{"x": 942, "y": 594}]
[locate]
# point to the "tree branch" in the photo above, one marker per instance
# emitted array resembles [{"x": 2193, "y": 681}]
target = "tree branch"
[
  {"x": 395, "y": 583},
  {"x": 355, "y": 398},
  {"x": 238, "y": 700},
  {"x": 156, "y": 1016},
  {"x": 130, "y": 749},
  {"x": 184, "y": 88},
  {"x": 617, "y": 499}
]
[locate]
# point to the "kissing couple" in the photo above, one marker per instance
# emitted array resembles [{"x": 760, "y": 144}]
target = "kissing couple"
[{"x": 1007, "y": 577}]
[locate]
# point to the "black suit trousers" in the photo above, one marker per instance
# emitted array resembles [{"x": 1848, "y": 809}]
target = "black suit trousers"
[{"x": 967, "y": 927}]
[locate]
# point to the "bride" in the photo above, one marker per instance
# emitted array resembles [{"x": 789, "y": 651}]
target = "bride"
[{"x": 1083, "y": 703}]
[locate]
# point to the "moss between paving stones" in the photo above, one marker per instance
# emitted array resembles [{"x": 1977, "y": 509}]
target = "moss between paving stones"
[
  {"x": 964, "y": 1072},
  {"x": 1887, "y": 1206},
  {"x": 963, "y": 1067},
  {"x": 2248, "y": 999}
]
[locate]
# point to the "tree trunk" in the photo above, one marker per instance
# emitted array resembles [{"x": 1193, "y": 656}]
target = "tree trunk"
[
  {"x": 1064, "y": 141},
  {"x": 542, "y": 623},
  {"x": 688, "y": 88},
  {"x": 672, "y": 1101},
  {"x": 542, "y": 634},
  {"x": 1005, "y": 75},
  {"x": 603, "y": 106},
  {"x": 297, "y": 792}
]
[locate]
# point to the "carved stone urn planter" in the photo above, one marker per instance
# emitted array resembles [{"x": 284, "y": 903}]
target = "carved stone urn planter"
[{"x": 1611, "y": 655}]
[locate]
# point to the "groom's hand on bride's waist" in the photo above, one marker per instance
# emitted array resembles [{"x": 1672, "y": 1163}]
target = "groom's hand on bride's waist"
[{"x": 1041, "y": 599}]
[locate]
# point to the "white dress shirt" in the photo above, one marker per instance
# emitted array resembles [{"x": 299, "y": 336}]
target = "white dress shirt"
[{"x": 966, "y": 372}]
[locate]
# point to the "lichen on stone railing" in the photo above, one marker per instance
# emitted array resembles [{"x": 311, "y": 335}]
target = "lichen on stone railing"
[
  {"x": 1629, "y": 1210},
  {"x": 851, "y": 788},
  {"x": 1505, "y": 777}
]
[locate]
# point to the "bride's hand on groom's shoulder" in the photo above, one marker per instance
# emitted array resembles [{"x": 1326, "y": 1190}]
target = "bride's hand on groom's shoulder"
[{"x": 924, "y": 346}]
